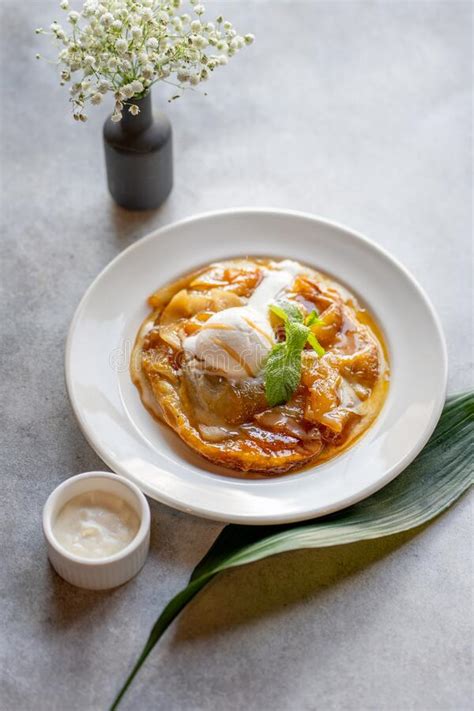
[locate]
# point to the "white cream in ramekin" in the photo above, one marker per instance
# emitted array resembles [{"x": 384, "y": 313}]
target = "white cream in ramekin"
[{"x": 109, "y": 571}]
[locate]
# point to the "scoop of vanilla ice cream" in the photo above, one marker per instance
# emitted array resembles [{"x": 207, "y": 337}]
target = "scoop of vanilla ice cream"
[{"x": 235, "y": 342}]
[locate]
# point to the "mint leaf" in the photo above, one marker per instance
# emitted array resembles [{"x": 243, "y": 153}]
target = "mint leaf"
[
  {"x": 283, "y": 365},
  {"x": 313, "y": 319},
  {"x": 278, "y": 311},
  {"x": 314, "y": 343},
  {"x": 287, "y": 311}
]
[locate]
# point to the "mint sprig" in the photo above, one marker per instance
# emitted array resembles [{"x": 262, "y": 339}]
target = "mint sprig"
[{"x": 283, "y": 365}]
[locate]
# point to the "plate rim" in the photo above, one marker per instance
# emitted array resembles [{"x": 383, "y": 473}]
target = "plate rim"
[{"x": 262, "y": 519}]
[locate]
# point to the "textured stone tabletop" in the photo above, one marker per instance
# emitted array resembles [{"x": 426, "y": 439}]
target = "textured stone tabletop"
[{"x": 360, "y": 112}]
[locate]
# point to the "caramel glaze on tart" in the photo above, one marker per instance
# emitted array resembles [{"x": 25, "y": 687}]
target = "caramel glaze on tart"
[{"x": 229, "y": 421}]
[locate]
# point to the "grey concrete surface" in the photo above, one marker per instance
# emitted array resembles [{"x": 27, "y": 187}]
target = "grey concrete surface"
[{"x": 358, "y": 111}]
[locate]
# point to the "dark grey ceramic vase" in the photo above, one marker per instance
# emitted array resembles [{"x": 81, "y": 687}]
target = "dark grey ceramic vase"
[{"x": 139, "y": 157}]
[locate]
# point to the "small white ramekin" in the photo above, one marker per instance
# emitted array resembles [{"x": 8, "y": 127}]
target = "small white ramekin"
[{"x": 102, "y": 573}]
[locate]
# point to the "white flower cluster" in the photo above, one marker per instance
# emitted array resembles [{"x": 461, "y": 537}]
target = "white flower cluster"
[{"x": 126, "y": 46}]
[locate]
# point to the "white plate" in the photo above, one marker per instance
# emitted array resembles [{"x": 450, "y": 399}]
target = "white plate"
[{"x": 125, "y": 436}]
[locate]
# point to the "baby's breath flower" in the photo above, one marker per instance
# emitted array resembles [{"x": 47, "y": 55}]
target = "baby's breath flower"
[
  {"x": 107, "y": 19},
  {"x": 182, "y": 74},
  {"x": 127, "y": 91},
  {"x": 137, "y": 87},
  {"x": 121, "y": 45},
  {"x": 125, "y": 46},
  {"x": 104, "y": 86},
  {"x": 201, "y": 42},
  {"x": 125, "y": 66},
  {"x": 237, "y": 43}
]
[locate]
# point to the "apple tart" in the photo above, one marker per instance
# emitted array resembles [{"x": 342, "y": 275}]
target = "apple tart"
[{"x": 261, "y": 365}]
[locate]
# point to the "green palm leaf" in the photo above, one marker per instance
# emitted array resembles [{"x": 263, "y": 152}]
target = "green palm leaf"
[{"x": 438, "y": 476}]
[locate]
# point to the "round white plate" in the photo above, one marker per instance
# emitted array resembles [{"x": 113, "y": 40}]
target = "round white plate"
[{"x": 133, "y": 444}]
